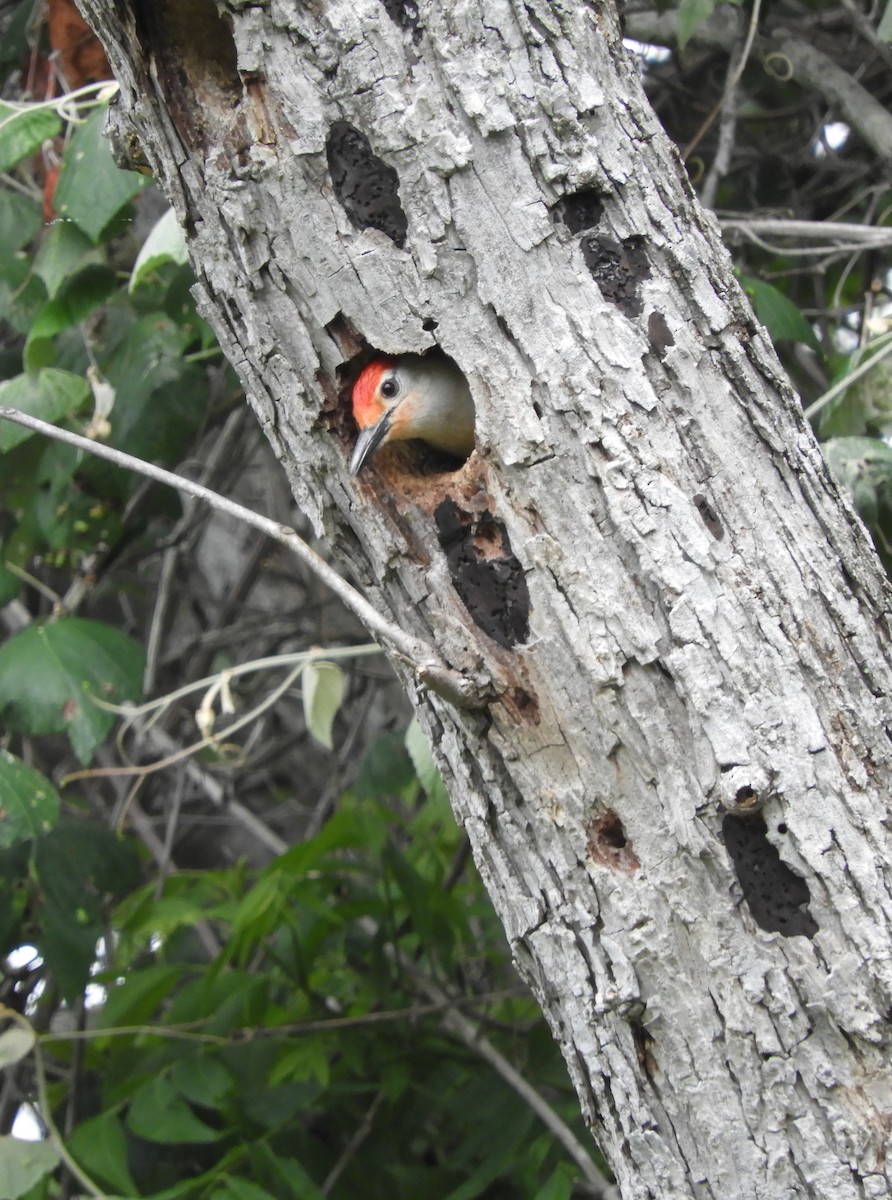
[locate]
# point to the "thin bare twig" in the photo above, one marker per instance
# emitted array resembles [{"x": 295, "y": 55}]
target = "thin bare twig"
[
  {"x": 159, "y": 617},
  {"x": 847, "y": 380},
  {"x": 727, "y": 123},
  {"x": 178, "y": 543},
  {"x": 46, "y": 1116},
  {"x": 849, "y": 100},
  {"x": 731, "y": 85},
  {"x": 359, "y": 1136},
  {"x": 867, "y": 31},
  {"x": 832, "y": 236},
  {"x": 418, "y": 654}
]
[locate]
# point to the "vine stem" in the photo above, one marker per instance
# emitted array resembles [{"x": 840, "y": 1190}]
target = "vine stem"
[{"x": 848, "y": 380}]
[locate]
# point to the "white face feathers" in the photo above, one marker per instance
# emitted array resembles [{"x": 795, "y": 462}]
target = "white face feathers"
[{"x": 412, "y": 397}]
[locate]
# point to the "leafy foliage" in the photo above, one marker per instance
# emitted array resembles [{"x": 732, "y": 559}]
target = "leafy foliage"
[
  {"x": 748, "y": 95},
  {"x": 23, "y": 131},
  {"x": 323, "y": 694},
  {"x": 28, "y": 804},
  {"x": 23, "y": 1165},
  {"x": 293, "y": 1043},
  {"x": 259, "y": 1030},
  {"x": 53, "y": 674},
  {"x": 241, "y": 948},
  {"x": 91, "y": 190}
]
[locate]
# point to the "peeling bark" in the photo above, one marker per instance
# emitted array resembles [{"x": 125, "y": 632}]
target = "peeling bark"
[{"x": 677, "y": 793}]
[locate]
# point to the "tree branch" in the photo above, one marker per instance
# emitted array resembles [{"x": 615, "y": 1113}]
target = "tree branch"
[
  {"x": 726, "y": 106},
  {"x": 837, "y": 235},
  {"x": 849, "y": 100},
  {"x": 810, "y": 67},
  {"x": 422, "y": 658},
  {"x": 847, "y": 380}
]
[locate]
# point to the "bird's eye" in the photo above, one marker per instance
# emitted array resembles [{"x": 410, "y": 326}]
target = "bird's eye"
[{"x": 389, "y": 388}]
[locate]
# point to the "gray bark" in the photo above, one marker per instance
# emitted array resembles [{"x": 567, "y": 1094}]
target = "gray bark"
[{"x": 676, "y": 789}]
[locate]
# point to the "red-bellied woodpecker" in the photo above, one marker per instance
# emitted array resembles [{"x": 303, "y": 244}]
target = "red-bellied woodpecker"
[{"x": 395, "y": 399}]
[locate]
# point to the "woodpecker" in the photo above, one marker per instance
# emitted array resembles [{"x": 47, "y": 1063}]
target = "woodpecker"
[{"x": 395, "y": 399}]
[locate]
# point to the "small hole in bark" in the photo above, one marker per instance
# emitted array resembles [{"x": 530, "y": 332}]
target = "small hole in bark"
[
  {"x": 579, "y": 210},
  {"x": 613, "y": 834},
  {"x": 404, "y": 13},
  {"x": 643, "y": 1048},
  {"x": 782, "y": 828},
  {"x": 429, "y": 325},
  {"x": 745, "y": 795},
  {"x": 659, "y": 334},
  {"x": 521, "y": 706},
  {"x": 486, "y": 574},
  {"x": 777, "y": 897},
  {"x": 709, "y": 517},
  {"x": 618, "y": 269},
  {"x": 367, "y": 187},
  {"x": 608, "y": 844}
]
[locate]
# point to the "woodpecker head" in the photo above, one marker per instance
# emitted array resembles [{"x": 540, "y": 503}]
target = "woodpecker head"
[{"x": 395, "y": 399}]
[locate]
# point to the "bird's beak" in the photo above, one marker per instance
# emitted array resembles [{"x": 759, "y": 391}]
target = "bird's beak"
[{"x": 369, "y": 440}]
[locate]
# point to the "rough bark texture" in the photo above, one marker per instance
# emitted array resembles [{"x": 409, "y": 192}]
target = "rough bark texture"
[{"x": 676, "y": 792}]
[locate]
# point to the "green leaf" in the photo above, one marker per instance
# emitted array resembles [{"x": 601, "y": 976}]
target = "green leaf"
[
  {"x": 386, "y": 769},
  {"x": 66, "y": 510},
  {"x": 160, "y": 397},
  {"x": 78, "y": 298},
  {"x": 863, "y": 408},
  {"x": 164, "y": 244},
  {"x": 29, "y": 804},
  {"x": 91, "y": 188},
  {"x": 17, "y": 40},
  {"x": 257, "y": 914},
  {"x": 202, "y": 1080},
  {"x": 82, "y": 869},
  {"x": 21, "y": 294},
  {"x": 884, "y": 29},
  {"x": 287, "y": 1174},
  {"x": 240, "y": 1189},
  {"x": 100, "y": 1147},
  {"x": 780, "y": 316},
  {"x": 49, "y": 672},
  {"x": 23, "y": 132},
  {"x": 136, "y": 999},
  {"x": 343, "y": 831},
  {"x": 15, "y": 895},
  {"x": 24, "y": 1164},
  {"x": 16, "y": 1043},
  {"x": 221, "y": 1001},
  {"x": 430, "y": 908},
  {"x": 305, "y": 1061},
  {"x": 20, "y": 219},
  {"x": 864, "y": 465},
  {"x": 64, "y": 249},
  {"x": 691, "y": 15},
  {"x": 159, "y": 1114},
  {"x": 323, "y": 687},
  {"x": 50, "y": 395},
  {"x": 422, "y": 760},
  {"x": 559, "y": 1186},
  {"x": 17, "y": 545}
]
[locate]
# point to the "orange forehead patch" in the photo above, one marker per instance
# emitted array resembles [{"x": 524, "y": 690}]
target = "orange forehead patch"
[{"x": 367, "y": 403}]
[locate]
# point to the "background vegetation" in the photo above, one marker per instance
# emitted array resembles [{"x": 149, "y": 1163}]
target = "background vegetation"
[{"x": 243, "y": 953}]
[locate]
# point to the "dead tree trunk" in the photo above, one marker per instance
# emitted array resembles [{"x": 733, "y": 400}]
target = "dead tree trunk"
[{"x": 676, "y": 782}]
